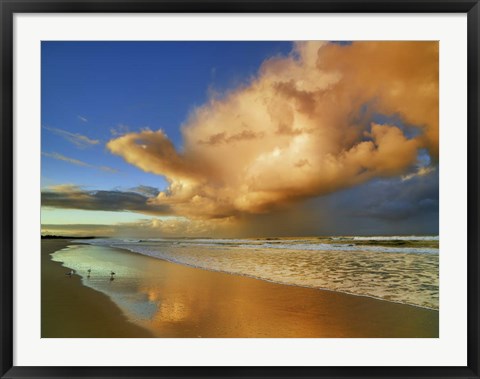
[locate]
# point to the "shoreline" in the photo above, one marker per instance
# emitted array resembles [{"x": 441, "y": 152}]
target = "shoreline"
[
  {"x": 270, "y": 281},
  {"x": 195, "y": 302},
  {"x": 70, "y": 309}
]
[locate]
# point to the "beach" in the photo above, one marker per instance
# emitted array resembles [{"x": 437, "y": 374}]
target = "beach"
[
  {"x": 71, "y": 310},
  {"x": 151, "y": 297}
]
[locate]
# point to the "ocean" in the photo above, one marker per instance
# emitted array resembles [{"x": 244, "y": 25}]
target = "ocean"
[{"x": 402, "y": 269}]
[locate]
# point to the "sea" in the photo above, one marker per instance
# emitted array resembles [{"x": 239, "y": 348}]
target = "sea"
[{"x": 402, "y": 269}]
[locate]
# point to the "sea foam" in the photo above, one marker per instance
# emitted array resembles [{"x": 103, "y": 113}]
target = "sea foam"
[{"x": 400, "y": 274}]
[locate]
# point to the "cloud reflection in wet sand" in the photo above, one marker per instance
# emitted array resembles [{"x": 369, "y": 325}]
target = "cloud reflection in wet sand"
[{"x": 177, "y": 301}]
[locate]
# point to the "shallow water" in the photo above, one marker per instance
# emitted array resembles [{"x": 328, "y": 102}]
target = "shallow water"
[{"x": 406, "y": 274}]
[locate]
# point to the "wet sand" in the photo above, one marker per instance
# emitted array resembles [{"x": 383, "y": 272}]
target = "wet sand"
[
  {"x": 172, "y": 300},
  {"x": 70, "y": 309}
]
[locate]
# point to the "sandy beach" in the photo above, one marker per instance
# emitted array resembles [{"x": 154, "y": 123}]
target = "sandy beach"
[
  {"x": 172, "y": 300},
  {"x": 71, "y": 310}
]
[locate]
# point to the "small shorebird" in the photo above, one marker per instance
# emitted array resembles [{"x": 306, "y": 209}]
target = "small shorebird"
[
  {"x": 70, "y": 273},
  {"x": 89, "y": 272}
]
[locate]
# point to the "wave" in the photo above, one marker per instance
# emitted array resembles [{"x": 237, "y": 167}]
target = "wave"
[
  {"x": 404, "y": 275},
  {"x": 395, "y": 238},
  {"x": 283, "y": 244}
]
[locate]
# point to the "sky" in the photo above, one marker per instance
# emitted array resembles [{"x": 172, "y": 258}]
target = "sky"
[{"x": 239, "y": 139}]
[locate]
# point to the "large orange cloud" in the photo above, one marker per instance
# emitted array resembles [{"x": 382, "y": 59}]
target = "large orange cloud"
[{"x": 302, "y": 128}]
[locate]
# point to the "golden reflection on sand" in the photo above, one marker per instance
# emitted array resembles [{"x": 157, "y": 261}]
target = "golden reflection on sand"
[{"x": 173, "y": 300}]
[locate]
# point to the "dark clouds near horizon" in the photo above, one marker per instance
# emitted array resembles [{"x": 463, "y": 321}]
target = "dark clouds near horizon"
[
  {"x": 73, "y": 197},
  {"x": 384, "y": 206}
]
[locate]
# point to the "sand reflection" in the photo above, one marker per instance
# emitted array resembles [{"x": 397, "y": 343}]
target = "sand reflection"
[{"x": 172, "y": 300}]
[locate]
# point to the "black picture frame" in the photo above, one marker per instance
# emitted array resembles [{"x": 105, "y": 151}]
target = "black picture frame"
[{"x": 9, "y": 8}]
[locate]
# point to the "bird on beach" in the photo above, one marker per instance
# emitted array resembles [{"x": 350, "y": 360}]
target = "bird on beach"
[
  {"x": 112, "y": 274},
  {"x": 70, "y": 273},
  {"x": 89, "y": 272}
]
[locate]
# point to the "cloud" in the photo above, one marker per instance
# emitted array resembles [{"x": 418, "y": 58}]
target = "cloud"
[
  {"x": 74, "y": 197},
  {"x": 396, "y": 199},
  {"x": 78, "y": 230},
  {"x": 302, "y": 128},
  {"x": 119, "y": 130},
  {"x": 381, "y": 206},
  {"x": 152, "y": 152},
  {"x": 157, "y": 227},
  {"x": 77, "y": 162},
  {"x": 171, "y": 227},
  {"x": 83, "y": 119},
  {"x": 422, "y": 171},
  {"x": 146, "y": 190},
  {"x": 220, "y": 138},
  {"x": 77, "y": 139}
]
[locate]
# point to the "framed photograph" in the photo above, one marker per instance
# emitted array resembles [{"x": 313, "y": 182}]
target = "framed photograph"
[{"x": 238, "y": 189}]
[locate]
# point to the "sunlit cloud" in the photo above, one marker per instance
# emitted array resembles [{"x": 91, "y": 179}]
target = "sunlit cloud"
[
  {"x": 77, "y": 139},
  {"x": 77, "y": 162},
  {"x": 422, "y": 171},
  {"x": 302, "y": 128}
]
